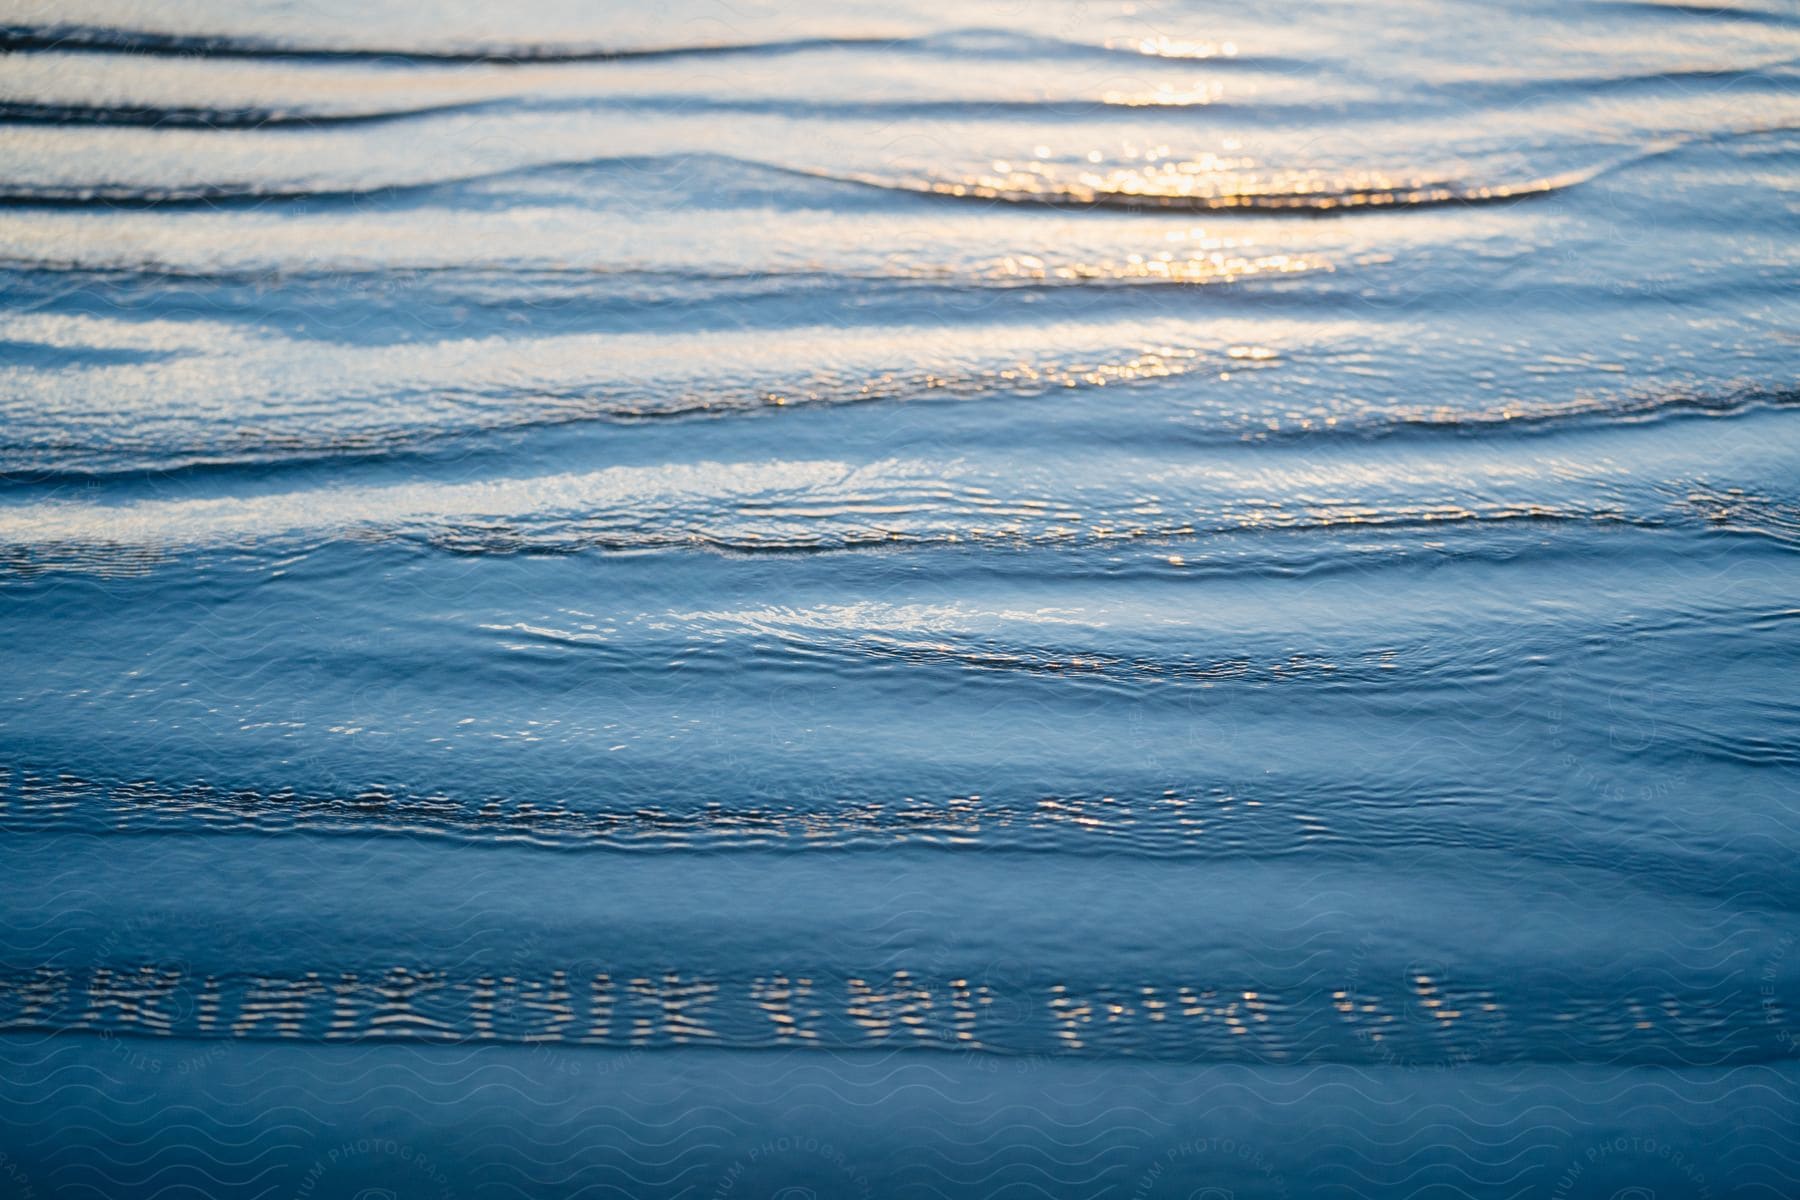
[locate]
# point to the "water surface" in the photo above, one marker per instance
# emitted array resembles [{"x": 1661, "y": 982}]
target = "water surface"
[{"x": 899, "y": 599}]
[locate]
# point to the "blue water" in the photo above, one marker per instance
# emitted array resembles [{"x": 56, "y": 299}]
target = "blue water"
[{"x": 985, "y": 600}]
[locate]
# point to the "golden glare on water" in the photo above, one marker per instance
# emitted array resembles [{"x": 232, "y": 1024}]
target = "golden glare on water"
[
  {"x": 1215, "y": 267},
  {"x": 1163, "y": 46},
  {"x": 1209, "y": 182},
  {"x": 1166, "y": 96}
]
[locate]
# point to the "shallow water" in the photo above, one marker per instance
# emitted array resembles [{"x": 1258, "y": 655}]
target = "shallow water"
[{"x": 909, "y": 599}]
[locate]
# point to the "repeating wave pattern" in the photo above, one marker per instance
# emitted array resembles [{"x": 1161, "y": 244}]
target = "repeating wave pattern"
[
  {"x": 1410, "y": 1017},
  {"x": 1137, "y": 600}
]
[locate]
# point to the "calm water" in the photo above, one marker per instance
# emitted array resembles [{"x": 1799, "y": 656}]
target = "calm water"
[{"x": 905, "y": 599}]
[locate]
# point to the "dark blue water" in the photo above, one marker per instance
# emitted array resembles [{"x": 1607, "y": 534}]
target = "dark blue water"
[{"x": 921, "y": 600}]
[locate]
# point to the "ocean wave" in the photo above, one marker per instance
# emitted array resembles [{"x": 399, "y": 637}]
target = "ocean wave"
[
  {"x": 1133, "y": 178},
  {"x": 1205, "y": 823},
  {"x": 117, "y": 40},
  {"x": 1521, "y": 416},
  {"x": 822, "y": 505},
  {"x": 1224, "y": 544},
  {"x": 1302, "y": 193},
  {"x": 1335, "y": 821},
  {"x": 974, "y": 42},
  {"x": 386, "y": 398},
  {"x": 1121, "y": 103},
  {"x": 1173, "y": 186},
  {"x": 1690, "y": 10},
  {"x": 26, "y": 112},
  {"x": 453, "y": 428},
  {"x": 1178, "y": 190},
  {"x": 1371, "y": 1012}
]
